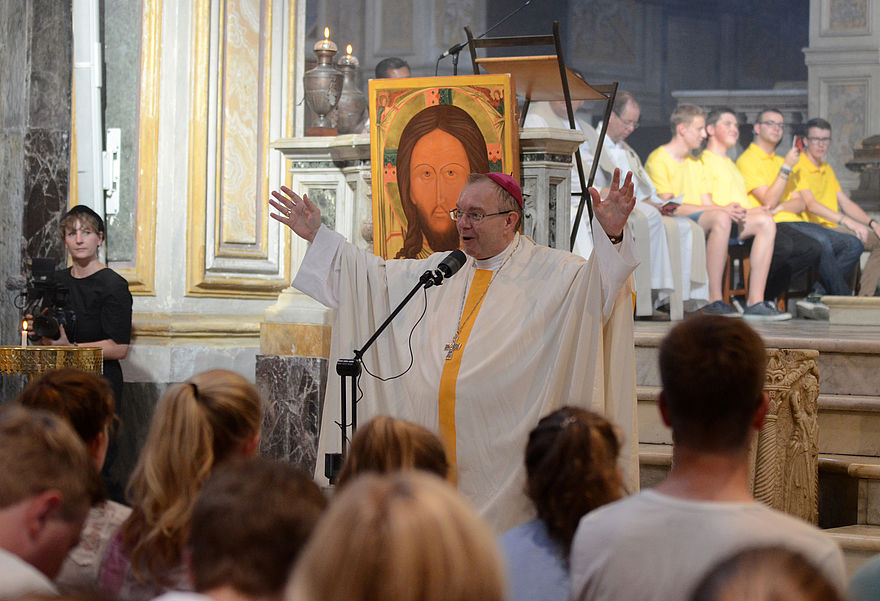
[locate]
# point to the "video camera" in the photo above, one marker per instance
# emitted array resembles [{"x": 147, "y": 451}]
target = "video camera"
[{"x": 46, "y": 301}]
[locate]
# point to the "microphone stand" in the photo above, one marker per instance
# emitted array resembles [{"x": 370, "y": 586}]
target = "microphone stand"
[
  {"x": 350, "y": 369},
  {"x": 455, "y": 50}
]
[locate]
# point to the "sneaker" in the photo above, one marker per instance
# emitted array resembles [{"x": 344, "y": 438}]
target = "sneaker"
[
  {"x": 765, "y": 311},
  {"x": 812, "y": 308},
  {"x": 719, "y": 307}
]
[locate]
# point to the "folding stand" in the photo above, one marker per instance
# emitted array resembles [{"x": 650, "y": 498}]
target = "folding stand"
[{"x": 547, "y": 78}]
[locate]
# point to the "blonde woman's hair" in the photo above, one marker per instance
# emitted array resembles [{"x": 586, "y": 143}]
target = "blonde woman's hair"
[
  {"x": 385, "y": 444},
  {"x": 407, "y": 536},
  {"x": 197, "y": 424},
  {"x": 766, "y": 574}
]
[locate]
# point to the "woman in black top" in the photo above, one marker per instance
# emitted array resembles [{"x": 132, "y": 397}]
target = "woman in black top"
[{"x": 98, "y": 297}]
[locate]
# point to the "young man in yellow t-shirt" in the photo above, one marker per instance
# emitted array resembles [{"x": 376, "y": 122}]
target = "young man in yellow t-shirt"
[
  {"x": 751, "y": 220},
  {"x": 675, "y": 172},
  {"x": 766, "y": 175},
  {"x": 830, "y": 207}
]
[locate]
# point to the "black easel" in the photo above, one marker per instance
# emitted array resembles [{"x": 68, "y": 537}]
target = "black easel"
[{"x": 536, "y": 78}]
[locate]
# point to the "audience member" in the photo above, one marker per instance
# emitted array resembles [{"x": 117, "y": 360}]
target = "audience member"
[
  {"x": 392, "y": 68},
  {"x": 660, "y": 543},
  {"x": 249, "y": 524},
  {"x": 197, "y": 425},
  {"x": 407, "y": 536},
  {"x": 47, "y": 484},
  {"x": 766, "y": 177},
  {"x": 86, "y": 402},
  {"x": 829, "y": 206},
  {"x": 766, "y": 574},
  {"x": 571, "y": 469},
  {"x": 750, "y": 219},
  {"x": 386, "y": 444},
  {"x": 676, "y": 173}
]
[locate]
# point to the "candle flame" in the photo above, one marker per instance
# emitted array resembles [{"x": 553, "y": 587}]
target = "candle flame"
[
  {"x": 348, "y": 49},
  {"x": 24, "y": 325},
  {"x": 326, "y": 33}
]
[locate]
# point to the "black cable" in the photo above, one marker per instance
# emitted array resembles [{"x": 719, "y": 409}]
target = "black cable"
[{"x": 411, "y": 356}]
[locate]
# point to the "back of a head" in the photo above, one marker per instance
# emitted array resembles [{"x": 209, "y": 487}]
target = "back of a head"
[
  {"x": 766, "y": 574},
  {"x": 84, "y": 399},
  {"x": 250, "y": 522},
  {"x": 407, "y": 536},
  {"x": 684, "y": 114},
  {"x": 571, "y": 468},
  {"x": 385, "y": 444},
  {"x": 197, "y": 425},
  {"x": 712, "y": 369},
  {"x": 40, "y": 452}
]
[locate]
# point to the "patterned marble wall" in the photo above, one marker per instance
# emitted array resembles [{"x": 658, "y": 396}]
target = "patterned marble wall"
[
  {"x": 844, "y": 76},
  {"x": 35, "y": 68}
]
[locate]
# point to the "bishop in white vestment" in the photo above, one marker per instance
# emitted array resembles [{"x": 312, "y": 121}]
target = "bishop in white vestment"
[{"x": 521, "y": 330}]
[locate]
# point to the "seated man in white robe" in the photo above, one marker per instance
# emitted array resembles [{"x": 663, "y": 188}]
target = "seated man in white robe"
[
  {"x": 673, "y": 256},
  {"x": 521, "y": 331}
]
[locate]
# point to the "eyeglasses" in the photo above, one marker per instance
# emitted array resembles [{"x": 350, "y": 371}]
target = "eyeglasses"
[
  {"x": 820, "y": 140},
  {"x": 474, "y": 217},
  {"x": 774, "y": 124},
  {"x": 628, "y": 122}
]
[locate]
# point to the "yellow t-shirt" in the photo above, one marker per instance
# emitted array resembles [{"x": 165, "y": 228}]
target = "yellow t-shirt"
[
  {"x": 760, "y": 169},
  {"x": 821, "y": 181},
  {"x": 727, "y": 183},
  {"x": 671, "y": 177}
]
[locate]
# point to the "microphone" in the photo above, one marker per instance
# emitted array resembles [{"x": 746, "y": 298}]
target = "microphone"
[
  {"x": 16, "y": 282},
  {"x": 454, "y": 50},
  {"x": 452, "y": 263}
]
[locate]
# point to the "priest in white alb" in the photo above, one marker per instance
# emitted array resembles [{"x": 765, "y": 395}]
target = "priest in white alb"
[{"x": 519, "y": 331}]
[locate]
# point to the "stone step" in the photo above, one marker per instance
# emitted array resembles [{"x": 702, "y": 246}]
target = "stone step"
[
  {"x": 849, "y": 485},
  {"x": 849, "y": 490},
  {"x": 848, "y": 424},
  {"x": 859, "y": 544},
  {"x": 848, "y": 362}
]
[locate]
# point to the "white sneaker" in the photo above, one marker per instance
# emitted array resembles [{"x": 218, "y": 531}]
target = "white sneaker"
[{"x": 812, "y": 308}]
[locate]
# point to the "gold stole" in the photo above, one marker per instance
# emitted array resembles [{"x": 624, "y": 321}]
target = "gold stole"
[{"x": 476, "y": 295}]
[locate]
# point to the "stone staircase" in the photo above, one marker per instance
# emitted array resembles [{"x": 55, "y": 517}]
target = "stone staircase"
[{"x": 849, "y": 424}]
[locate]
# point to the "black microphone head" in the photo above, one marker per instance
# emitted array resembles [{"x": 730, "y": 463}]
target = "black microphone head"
[
  {"x": 16, "y": 282},
  {"x": 454, "y": 261}
]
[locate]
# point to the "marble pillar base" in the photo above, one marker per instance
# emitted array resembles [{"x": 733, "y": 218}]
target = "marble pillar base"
[{"x": 293, "y": 389}]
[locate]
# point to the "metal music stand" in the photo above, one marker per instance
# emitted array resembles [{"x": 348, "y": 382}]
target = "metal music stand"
[{"x": 547, "y": 78}]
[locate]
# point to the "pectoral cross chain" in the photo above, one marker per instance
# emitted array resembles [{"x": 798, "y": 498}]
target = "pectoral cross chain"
[{"x": 450, "y": 349}]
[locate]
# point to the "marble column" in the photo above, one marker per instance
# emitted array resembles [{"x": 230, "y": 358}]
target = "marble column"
[
  {"x": 35, "y": 107},
  {"x": 291, "y": 374}
]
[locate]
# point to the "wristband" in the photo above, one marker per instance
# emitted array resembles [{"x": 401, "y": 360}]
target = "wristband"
[{"x": 785, "y": 169}]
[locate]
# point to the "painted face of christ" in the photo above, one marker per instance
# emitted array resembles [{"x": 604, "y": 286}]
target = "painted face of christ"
[
  {"x": 438, "y": 148},
  {"x": 438, "y": 171}
]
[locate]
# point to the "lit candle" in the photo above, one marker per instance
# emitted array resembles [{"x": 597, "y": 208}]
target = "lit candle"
[
  {"x": 24, "y": 331},
  {"x": 347, "y": 59},
  {"x": 326, "y": 43}
]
